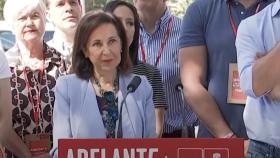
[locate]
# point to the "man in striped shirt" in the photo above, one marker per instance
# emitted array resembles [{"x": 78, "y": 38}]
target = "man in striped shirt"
[{"x": 159, "y": 36}]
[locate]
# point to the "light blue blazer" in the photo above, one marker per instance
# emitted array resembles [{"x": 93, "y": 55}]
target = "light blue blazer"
[{"x": 76, "y": 113}]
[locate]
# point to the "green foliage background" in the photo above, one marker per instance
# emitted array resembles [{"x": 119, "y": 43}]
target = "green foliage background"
[
  {"x": 1, "y": 9},
  {"x": 178, "y": 7}
]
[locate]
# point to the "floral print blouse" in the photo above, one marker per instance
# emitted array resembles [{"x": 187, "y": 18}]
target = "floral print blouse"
[
  {"x": 108, "y": 108},
  {"x": 24, "y": 93}
]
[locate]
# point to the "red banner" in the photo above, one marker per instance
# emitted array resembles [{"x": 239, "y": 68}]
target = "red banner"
[{"x": 151, "y": 148}]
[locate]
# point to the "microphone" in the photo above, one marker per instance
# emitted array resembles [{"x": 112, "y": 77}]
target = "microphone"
[
  {"x": 132, "y": 86},
  {"x": 179, "y": 87}
]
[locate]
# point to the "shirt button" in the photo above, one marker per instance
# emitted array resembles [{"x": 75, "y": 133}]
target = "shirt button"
[{"x": 242, "y": 13}]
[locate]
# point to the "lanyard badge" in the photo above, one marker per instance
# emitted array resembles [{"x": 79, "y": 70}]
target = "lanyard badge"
[{"x": 163, "y": 43}]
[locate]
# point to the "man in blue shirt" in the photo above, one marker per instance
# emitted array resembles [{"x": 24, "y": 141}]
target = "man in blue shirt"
[
  {"x": 158, "y": 46},
  {"x": 207, "y": 48},
  {"x": 258, "y": 54}
]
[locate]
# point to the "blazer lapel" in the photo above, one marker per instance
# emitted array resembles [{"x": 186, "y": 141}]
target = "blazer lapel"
[
  {"x": 128, "y": 123},
  {"x": 91, "y": 123}
]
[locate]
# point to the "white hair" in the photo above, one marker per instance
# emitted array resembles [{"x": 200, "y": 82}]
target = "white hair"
[{"x": 13, "y": 7}]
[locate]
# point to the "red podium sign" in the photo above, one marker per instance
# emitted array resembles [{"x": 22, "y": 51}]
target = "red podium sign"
[{"x": 150, "y": 148}]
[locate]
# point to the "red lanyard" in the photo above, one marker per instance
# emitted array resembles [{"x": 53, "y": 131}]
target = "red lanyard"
[
  {"x": 35, "y": 107},
  {"x": 232, "y": 23},
  {"x": 163, "y": 42}
]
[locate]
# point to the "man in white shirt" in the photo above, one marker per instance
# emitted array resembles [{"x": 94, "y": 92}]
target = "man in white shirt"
[
  {"x": 8, "y": 137},
  {"x": 65, "y": 15}
]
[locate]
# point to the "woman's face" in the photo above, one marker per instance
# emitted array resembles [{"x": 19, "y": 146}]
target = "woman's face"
[
  {"x": 29, "y": 24},
  {"x": 104, "y": 48},
  {"x": 127, "y": 18}
]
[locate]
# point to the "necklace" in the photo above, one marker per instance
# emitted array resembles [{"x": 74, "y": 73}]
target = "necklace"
[
  {"x": 104, "y": 93},
  {"x": 109, "y": 108}
]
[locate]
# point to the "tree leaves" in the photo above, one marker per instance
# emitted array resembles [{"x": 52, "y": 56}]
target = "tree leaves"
[{"x": 177, "y": 7}]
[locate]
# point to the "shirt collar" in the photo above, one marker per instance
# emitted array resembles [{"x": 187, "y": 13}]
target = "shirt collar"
[
  {"x": 161, "y": 22},
  {"x": 50, "y": 54},
  {"x": 276, "y": 8},
  {"x": 164, "y": 19},
  {"x": 58, "y": 43}
]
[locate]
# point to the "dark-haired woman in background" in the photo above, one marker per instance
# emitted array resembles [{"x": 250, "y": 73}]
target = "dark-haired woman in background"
[
  {"x": 127, "y": 13},
  {"x": 88, "y": 102}
]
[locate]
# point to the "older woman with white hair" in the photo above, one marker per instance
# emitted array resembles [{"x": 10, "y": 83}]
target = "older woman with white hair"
[{"x": 35, "y": 68}]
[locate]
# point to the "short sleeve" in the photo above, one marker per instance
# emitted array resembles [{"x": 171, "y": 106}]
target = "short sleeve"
[{"x": 192, "y": 28}]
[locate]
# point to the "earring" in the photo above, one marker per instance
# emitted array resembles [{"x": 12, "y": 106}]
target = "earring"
[{"x": 85, "y": 54}]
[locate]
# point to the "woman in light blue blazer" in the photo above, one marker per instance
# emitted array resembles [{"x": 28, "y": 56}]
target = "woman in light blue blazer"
[{"x": 88, "y": 102}]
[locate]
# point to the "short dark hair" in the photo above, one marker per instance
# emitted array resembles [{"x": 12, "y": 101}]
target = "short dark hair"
[
  {"x": 81, "y": 65},
  {"x": 133, "y": 48},
  {"x": 47, "y": 3}
]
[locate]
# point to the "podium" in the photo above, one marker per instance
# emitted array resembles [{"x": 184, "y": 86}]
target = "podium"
[{"x": 151, "y": 148}]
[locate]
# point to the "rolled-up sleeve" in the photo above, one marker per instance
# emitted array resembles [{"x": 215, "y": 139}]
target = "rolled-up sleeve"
[{"x": 247, "y": 48}]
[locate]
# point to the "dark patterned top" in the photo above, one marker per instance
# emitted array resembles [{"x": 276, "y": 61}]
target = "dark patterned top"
[
  {"x": 22, "y": 114},
  {"x": 108, "y": 109},
  {"x": 154, "y": 77}
]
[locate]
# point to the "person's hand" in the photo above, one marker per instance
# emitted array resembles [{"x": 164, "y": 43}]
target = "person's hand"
[{"x": 246, "y": 145}]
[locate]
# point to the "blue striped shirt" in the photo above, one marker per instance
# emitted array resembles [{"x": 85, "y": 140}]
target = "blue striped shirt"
[{"x": 178, "y": 112}]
